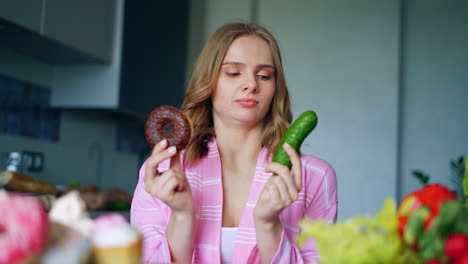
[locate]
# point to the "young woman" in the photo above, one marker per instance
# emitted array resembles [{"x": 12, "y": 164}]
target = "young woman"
[{"x": 222, "y": 200}]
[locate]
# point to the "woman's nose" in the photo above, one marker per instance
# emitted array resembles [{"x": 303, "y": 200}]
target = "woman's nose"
[{"x": 251, "y": 85}]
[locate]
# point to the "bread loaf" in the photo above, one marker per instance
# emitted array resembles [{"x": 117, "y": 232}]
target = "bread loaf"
[{"x": 22, "y": 183}]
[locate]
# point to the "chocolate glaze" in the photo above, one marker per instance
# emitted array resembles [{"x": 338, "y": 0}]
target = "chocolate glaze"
[{"x": 165, "y": 115}]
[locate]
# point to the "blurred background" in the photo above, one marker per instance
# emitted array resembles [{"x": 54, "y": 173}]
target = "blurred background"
[{"x": 388, "y": 80}]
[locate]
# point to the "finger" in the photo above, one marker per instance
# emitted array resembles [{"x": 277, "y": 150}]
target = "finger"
[
  {"x": 290, "y": 185},
  {"x": 296, "y": 165},
  {"x": 163, "y": 185},
  {"x": 165, "y": 177},
  {"x": 175, "y": 161},
  {"x": 159, "y": 147},
  {"x": 265, "y": 195},
  {"x": 152, "y": 162},
  {"x": 153, "y": 184},
  {"x": 148, "y": 181},
  {"x": 183, "y": 182},
  {"x": 170, "y": 186},
  {"x": 275, "y": 195},
  {"x": 283, "y": 172},
  {"x": 283, "y": 190},
  {"x": 151, "y": 166},
  {"x": 277, "y": 169},
  {"x": 171, "y": 173}
]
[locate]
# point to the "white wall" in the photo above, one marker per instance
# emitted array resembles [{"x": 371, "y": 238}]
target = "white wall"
[
  {"x": 341, "y": 60},
  {"x": 435, "y": 88},
  {"x": 206, "y": 16},
  {"x": 386, "y": 104},
  {"x": 218, "y": 12}
]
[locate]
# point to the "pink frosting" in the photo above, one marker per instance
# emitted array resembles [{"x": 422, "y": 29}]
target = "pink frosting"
[
  {"x": 23, "y": 227},
  {"x": 109, "y": 221}
]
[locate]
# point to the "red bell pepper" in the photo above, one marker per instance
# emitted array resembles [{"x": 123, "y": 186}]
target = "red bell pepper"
[{"x": 431, "y": 196}]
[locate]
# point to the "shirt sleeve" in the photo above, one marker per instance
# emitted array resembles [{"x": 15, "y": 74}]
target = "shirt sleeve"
[
  {"x": 151, "y": 216},
  {"x": 320, "y": 188}
]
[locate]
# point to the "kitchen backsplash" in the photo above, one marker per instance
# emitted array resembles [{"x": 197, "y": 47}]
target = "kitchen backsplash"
[{"x": 25, "y": 110}]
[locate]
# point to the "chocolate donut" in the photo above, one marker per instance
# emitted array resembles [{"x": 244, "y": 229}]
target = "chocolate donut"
[{"x": 165, "y": 117}]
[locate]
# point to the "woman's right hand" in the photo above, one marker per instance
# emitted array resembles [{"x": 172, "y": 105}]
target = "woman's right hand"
[{"x": 171, "y": 186}]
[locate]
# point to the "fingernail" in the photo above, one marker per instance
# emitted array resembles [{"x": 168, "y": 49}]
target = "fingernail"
[
  {"x": 287, "y": 145},
  {"x": 162, "y": 143},
  {"x": 172, "y": 149}
]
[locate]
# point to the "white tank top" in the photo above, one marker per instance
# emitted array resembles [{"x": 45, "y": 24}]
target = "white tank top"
[{"x": 228, "y": 236}]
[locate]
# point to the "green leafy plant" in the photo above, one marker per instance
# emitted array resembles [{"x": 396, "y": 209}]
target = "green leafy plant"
[
  {"x": 458, "y": 168},
  {"x": 74, "y": 185},
  {"x": 421, "y": 176},
  {"x": 459, "y": 177},
  {"x": 432, "y": 243}
]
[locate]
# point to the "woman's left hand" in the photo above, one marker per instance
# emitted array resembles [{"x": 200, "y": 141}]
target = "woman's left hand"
[{"x": 280, "y": 190}]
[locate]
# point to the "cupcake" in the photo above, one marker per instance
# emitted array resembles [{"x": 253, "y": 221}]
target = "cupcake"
[
  {"x": 70, "y": 210},
  {"x": 69, "y": 232},
  {"x": 115, "y": 241},
  {"x": 65, "y": 245}
]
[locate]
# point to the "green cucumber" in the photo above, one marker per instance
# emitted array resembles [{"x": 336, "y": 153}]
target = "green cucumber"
[{"x": 295, "y": 135}]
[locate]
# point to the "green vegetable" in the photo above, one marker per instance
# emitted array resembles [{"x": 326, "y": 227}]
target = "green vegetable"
[
  {"x": 421, "y": 176},
  {"x": 295, "y": 135},
  {"x": 74, "y": 185},
  {"x": 117, "y": 205},
  {"x": 415, "y": 225},
  {"x": 452, "y": 219},
  {"x": 359, "y": 240}
]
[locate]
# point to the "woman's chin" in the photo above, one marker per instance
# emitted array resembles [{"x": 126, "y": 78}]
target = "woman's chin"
[
  {"x": 248, "y": 120},
  {"x": 244, "y": 118}
]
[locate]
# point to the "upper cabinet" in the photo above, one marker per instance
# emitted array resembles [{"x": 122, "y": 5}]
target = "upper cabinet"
[
  {"x": 148, "y": 66},
  {"x": 59, "y": 32},
  {"x": 26, "y": 13},
  {"x": 123, "y": 56},
  {"x": 85, "y": 25}
]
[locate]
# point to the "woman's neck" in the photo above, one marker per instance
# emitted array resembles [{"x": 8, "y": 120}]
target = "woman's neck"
[{"x": 238, "y": 146}]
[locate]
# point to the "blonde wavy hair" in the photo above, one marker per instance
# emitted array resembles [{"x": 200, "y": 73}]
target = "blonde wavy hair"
[{"x": 197, "y": 102}]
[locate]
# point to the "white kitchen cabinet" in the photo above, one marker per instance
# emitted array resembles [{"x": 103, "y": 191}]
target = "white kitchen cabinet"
[
  {"x": 59, "y": 32},
  {"x": 25, "y": 13},
  {"x": 85, "y": 25},
  {"x": 148, "y": 66}
]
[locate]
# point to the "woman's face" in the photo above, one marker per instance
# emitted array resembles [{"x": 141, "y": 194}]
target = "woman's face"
[{"x": 246, "y": 83}]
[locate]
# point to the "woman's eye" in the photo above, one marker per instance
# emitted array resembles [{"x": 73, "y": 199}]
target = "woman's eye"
[
  {"x": 264, "y": 77},
  {"x": 232, "y": 74}
]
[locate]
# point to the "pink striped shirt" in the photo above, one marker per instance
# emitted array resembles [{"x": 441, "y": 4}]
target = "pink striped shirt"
[{"x": 317, "y": 200}]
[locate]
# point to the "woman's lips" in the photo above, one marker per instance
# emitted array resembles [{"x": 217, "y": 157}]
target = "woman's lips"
[{"x": 247, "y": 102}]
